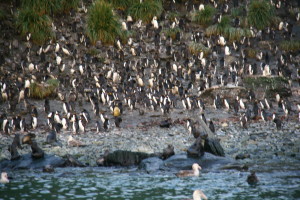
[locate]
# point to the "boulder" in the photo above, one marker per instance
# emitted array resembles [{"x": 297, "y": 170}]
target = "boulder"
[
  {"x": 28, "y": 162},
  {"x": 269, "y": 86},
  {"x": 151, "y": 164},
  {"x": 207, "y": 161},
  {"x": 209, "y": 143}
]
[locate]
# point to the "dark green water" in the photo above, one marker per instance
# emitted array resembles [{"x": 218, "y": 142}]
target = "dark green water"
[{"x": 278, "y": 180}]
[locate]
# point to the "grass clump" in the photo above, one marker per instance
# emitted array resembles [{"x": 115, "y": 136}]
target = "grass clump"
[
  {"x": 171, "y": 32},
  {"x": 260, "y": 14},
  {"x": 44, "y": 90},
  {"x": 224, "y": 28},
  {"x": 103, "y": 24},
  {"x": 50, "y": 7},
  {"x": 290, "y": 45},
  {"x": 204, "y": 17},
  {"x": 39, "y": 26},
  {"x": 238, "y": 12},
  {"x": 197, "y": 48},
  {"x": 122, "y": 4},
  {"x": 251, "y": 53},
  {"x": 146, "y": 10}
]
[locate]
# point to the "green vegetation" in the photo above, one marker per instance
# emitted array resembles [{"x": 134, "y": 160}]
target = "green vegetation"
[
  {"x": 271, "y": 85},
  {"x": 238, "y": 12},
  {"x": 171, "y": 32},
  {"x": 224, "y": 28},
  {"x": 122, "y": 4},
  {"x": 290, "y": 45},
  {"x": 196, "y": 48},
  {"x": 103, "y": 25},
  {"x": 204, "y": 17},
  {"x": 260, "y": 14},
  {"x": 50, "y": 6},
  {"x": 39, "y": 26},
  {"x": 45, "y": 90},
  {"x": 172, "y": 15},
  {"x": 146, "y": 10},
  {"x": 251, "y": 53}
]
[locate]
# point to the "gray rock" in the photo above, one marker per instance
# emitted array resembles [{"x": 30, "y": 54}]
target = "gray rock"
[
  {"x": 27, "y": 162},
  {"x": 151, "y": 164}
]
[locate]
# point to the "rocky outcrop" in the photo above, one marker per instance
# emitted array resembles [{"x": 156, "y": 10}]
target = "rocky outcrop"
[
  {"x": 206, "y": 142},
  {"x": 28, "y": 162},
  {"x": 151, "y": 164}
]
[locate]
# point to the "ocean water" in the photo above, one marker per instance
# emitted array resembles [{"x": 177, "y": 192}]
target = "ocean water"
[{"x": 278, "y": 180}]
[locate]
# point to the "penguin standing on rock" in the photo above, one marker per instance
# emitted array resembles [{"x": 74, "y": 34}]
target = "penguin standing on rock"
[{"x": 106, "y": 124}]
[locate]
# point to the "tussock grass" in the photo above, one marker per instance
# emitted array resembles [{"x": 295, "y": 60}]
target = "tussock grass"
[
  {"x": 290, "y": 45},
  {"x": 251, "y": 53},
  {"x": 122, "y": 4},
  {"x": 260, "y": 14},
  {"x": 44, "y": 90},
  {"x": 38, "y": 25},
  {"x": 50, "y": 7},
  {"x": 238, "y": 12},
  {"x": 171, "y": 32},
  {"x": 230, "y": 33},
  {"x": 103, "y": 24},
  {"x": 204, "y": 17},
  {"x": 197, "y": 48},
  {"x": 146, "y": 10}
]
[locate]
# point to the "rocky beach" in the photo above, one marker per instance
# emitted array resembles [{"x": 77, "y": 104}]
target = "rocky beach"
[{"x": 165, "y": 84}]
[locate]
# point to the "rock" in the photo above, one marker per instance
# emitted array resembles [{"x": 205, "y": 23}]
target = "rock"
[
  {"x": 212, "y": 145},
  {"x": 228, "y": 92},
  {"x": 27, "y": 162},
  {"x": 242, "y": 156},
  {"x": 15, "y": 43},
  {"x": 269, "y": 85},
  {"x": 208, "y": 161},
  {"x": 165, "y": 123},
  {"x": 125, "y": 158},
  {"x": 151, "y": 164}
]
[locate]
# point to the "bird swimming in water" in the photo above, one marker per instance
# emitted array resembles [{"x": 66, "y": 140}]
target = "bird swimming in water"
[
  {"x": 194, "y": 172},
  {"x": 4, "y": 178},
  {"x": 252, "y": 179}
]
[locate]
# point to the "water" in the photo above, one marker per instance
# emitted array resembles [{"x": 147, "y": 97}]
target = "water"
[{"x": 278, "y": 180}]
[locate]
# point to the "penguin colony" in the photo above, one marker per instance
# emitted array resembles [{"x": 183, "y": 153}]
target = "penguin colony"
[{"x": 152, "y": 72}]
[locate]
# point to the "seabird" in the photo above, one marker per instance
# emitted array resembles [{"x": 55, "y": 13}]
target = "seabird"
[{"x": 194, "y": 172}]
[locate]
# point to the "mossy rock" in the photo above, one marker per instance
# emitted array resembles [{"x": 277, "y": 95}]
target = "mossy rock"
[
  {"x": 227, "y": 92},
  {"x": 271, "y": 84}
]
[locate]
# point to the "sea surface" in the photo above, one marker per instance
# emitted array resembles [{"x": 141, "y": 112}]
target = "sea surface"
[{"x": 279, "y": 179}]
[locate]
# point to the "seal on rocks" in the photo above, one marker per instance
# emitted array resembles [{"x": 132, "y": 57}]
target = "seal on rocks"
[{"x": 13, "y": 147}]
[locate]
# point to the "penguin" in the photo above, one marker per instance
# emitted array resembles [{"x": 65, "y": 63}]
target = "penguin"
[
  {"x": 277, "y": 122},
  {"x": 82, "y": 124},
  {"x": 33, "y": 121},
  {"x": 98, "y": 126},
  {"x": 75, "y": 126},
  {"x": 118, "y": 121},
  {"x": 243, "y": 121},
  {"x": 106, "y": 124},
  {"x": 65, "y": 123},
  {"x": 47, "y": 106},
  {"x": 212, "y": 126}
]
